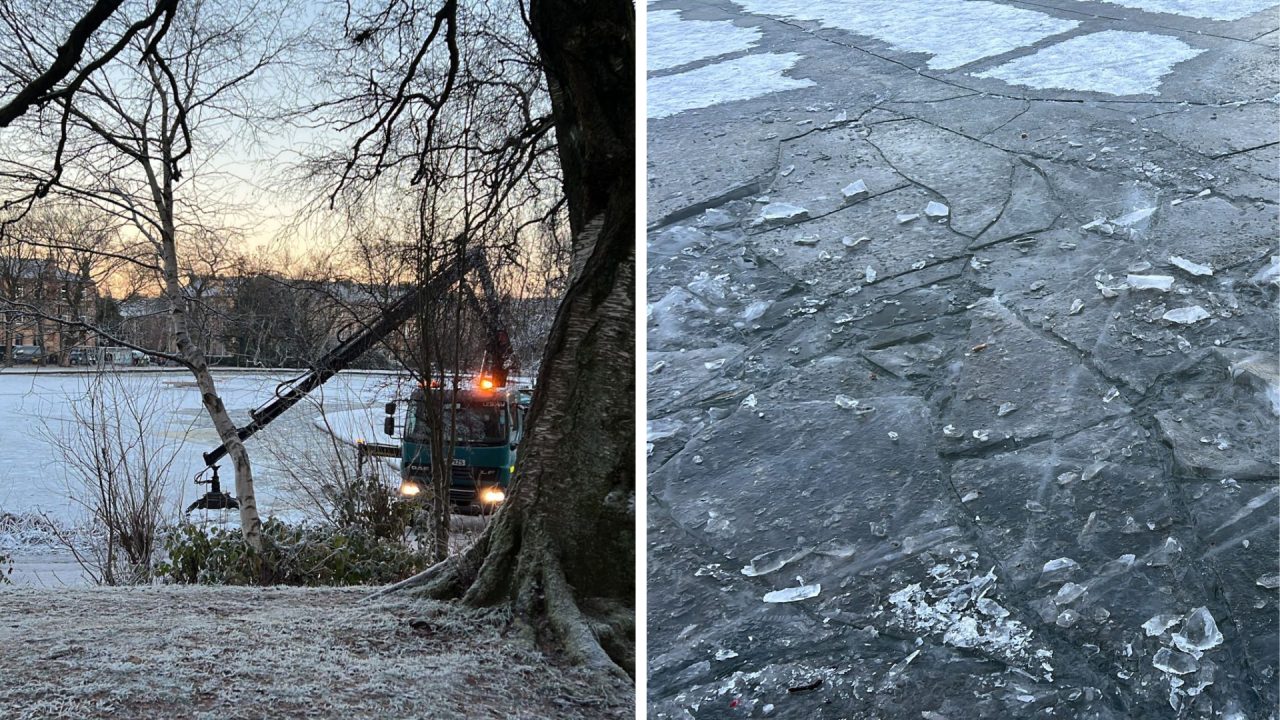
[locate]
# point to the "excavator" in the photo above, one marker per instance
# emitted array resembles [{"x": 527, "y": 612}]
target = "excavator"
[
  {"x": 483, "y": 414},
  {"x": 488, "y": 415}
]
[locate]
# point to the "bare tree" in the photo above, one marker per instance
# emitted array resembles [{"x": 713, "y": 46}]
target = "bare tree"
[
  {"x": 129, "y": 138},
  {"x": 117, "y": 452}
]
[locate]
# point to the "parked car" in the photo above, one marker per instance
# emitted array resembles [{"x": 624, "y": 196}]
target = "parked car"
[
  {"x": 27, "y": 354},
  {"x": 82, "y": 356}
]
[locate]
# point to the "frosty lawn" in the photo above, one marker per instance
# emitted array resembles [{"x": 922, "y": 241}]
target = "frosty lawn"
[{"x": 203, "y": 652}]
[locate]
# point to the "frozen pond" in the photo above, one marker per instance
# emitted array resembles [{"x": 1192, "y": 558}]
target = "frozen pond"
[{"x": 40, "y": 422}]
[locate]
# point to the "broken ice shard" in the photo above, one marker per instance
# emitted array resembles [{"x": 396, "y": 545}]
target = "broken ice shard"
[
  {"x": 1160, "y": 623},
  {"x": 1187, "y": 315},
  {"x": 1199, "y": 632},
  {"x": 777, "y": 213},
  {"x": 1055, "y": 570},
  {"x": 904, "y": 218},
  {"x": 1069, "y": 593},
  {"x": 1270, "y": 582},
  {"x": 769, "y": 562},
  {"x": 1269, "y": 273},
  {"x": 1172, "y": 661},
  {"x": 714, "y": 364},
  {"x": 1134, "y": 217},
  {"x": 1076, "y": 306},
  {"x": 854, "y": 190},
  {"x": 1163, "y": 283},
  {"x": 1005, "y": 408},
  {"x": 936, "y": 210},
  {"x": 804, "y": 592},
  {"x": 870, "y": 274},
  {"x": 805, "y": 241},
  {"x": 844, "y": 402},
  {"x": 1165, "y": 554},
  {"x": 725, "y": 654},
  {"x": 1192, "y": 267}
]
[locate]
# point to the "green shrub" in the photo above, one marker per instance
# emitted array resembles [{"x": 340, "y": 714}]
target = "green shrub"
[{"x": 306, "y": 554}]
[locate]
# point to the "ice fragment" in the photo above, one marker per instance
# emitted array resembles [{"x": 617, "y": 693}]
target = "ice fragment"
[
  {"x": 1134, "y": 217},
  {"x": 870, "y": 274},
  {"x": 844, "y": 402},
  {"x": 936, "y": 209},
  {"x": 1172, "y": 661},
  {"x": 1191, "y": 267},
  {"x": 1270, "y": 582},
  {"x": 1076, "y": 306},
  {"x": 1187, "y": 315},
  {"x": 854, "y": 190},
  {"x": 1005, "y": 408},
  {"x": 803, "y": 592},
  {"x": 781, "y": 213},
  {"x": 1069, "y": 593},
  {"x": 725, "y": 654},
  {"x": 904, "y": 218},
  {"x": 1112, "y": 393},
  {"x": 1163, "y": 283},
  {"x": 1160, "y": 623},
  {"x": 1199, "y": 632}
]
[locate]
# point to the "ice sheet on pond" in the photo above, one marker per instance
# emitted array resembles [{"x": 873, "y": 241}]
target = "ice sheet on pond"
[{"x": 30, "y": 479}]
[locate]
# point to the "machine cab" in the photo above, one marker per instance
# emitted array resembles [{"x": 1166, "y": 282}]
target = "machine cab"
[{"x": 486, "y": 424}]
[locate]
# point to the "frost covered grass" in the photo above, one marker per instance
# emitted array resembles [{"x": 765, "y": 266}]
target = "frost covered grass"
[
  {"x": 270, "y": 653},
  {"x": 25, "y": 532}
]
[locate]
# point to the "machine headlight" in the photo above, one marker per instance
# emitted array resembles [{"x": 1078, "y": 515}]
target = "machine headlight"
[
  {"x": 409, "y": 488},
  {"x": 492, "y": 496}
]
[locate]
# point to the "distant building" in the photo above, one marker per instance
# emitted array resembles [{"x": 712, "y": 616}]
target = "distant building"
[{"x": 38, "y": 298}]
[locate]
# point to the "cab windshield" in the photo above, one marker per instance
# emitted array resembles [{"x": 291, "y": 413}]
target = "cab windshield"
[{"x": 475, "y": 424}]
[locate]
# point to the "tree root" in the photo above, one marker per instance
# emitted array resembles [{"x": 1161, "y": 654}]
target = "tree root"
[{"x": 509, "y": 566}]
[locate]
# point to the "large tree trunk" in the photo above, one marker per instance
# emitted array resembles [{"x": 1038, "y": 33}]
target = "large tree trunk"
[{"x": 561, "y": 551}]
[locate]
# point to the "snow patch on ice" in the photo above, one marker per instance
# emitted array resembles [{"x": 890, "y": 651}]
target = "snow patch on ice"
[
  {"x": 739, "y": 79},
  {"x": 1207, "y": 9},
  {"x": 953, "y": 32},
  {"x": 674, "y": 42},
  {"x": 1113, "y": 62}
]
